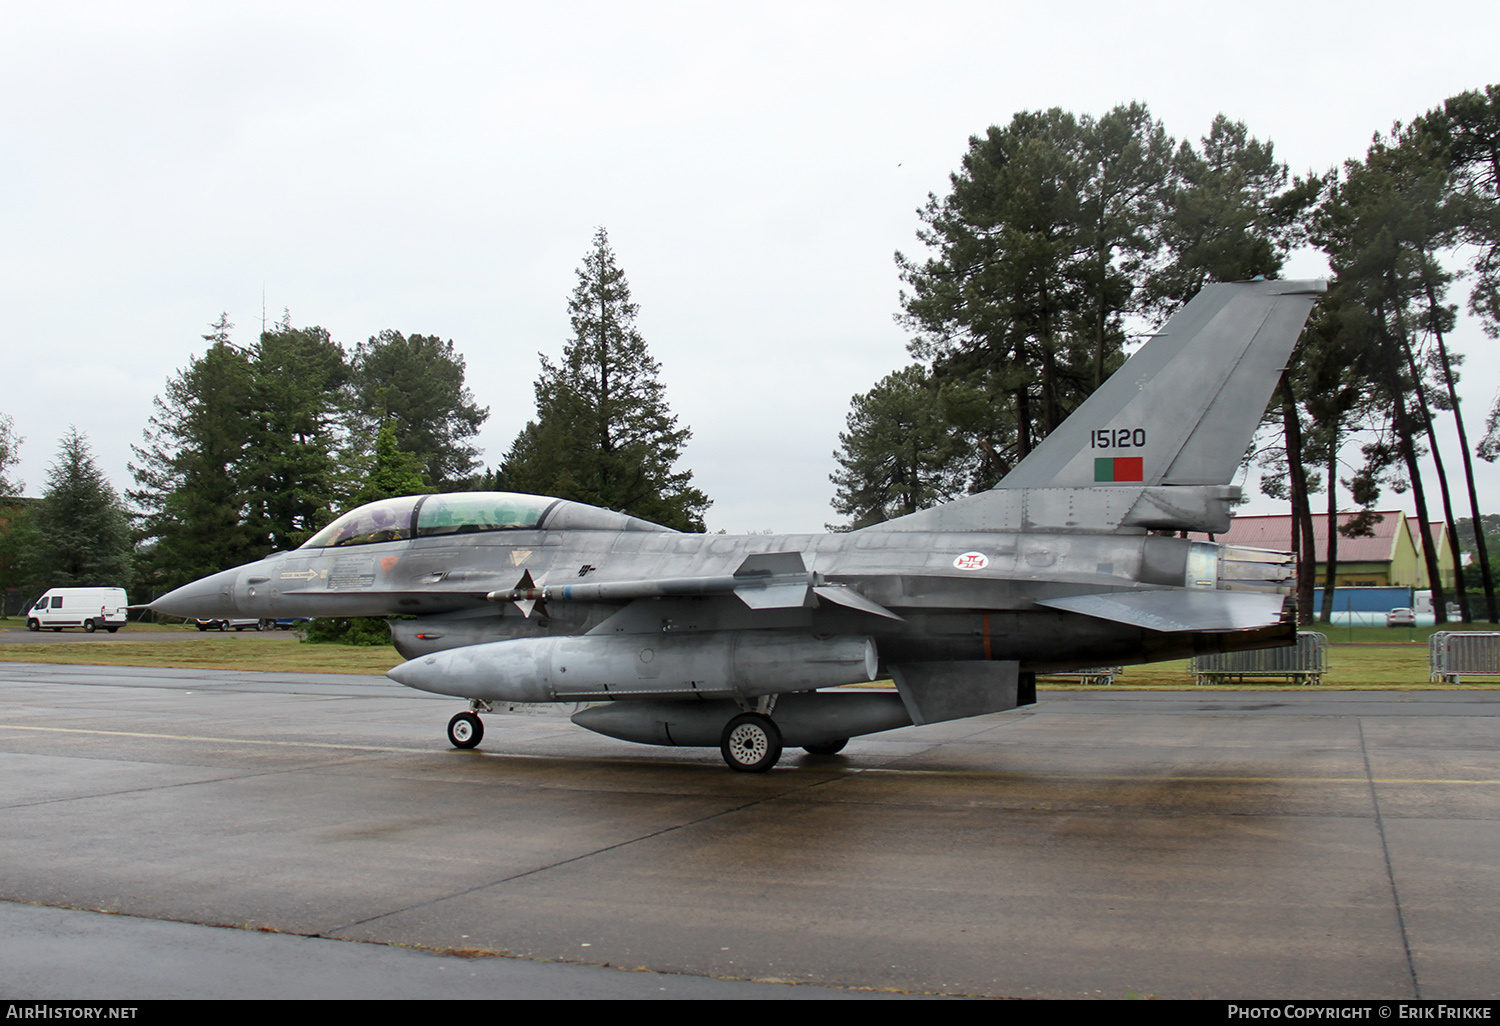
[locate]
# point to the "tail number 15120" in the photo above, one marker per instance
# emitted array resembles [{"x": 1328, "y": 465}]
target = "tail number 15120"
[{"x": 1118, "y": 438}]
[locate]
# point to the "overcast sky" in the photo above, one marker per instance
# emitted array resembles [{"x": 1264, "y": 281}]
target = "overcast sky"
[{"x": 440, "y": 168}]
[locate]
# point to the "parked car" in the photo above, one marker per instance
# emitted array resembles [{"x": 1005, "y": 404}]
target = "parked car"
[
  {"x": 89, "y": 608},
  {"x": 223, "y": 625},
  {"x": 1402, "y": 617},
  {"x": 285, "y": 624}
]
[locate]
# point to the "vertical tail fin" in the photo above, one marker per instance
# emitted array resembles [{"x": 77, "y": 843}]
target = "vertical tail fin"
[
  {"x": 1157, "y": 445},
  {"x": 1181, "y": 410}
]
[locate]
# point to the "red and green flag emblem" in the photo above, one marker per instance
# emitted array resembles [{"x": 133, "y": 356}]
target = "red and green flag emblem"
[{"x": 1118, "y": 468}]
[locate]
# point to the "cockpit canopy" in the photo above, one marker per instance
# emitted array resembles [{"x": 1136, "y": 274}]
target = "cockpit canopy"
[
  {"x": 430, "y": 516},
  {"x": 424, "y": 516}
]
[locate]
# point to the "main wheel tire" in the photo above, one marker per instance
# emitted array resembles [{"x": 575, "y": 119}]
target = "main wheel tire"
[
  {"x": 751, "y": 743},
  {"x": 223, "y": 626},
  {"x": 111, "y": 629},
  {"x": 33, "y": 624},
  {"x": 465, "y": 730},
  {"x": 831, "y": 748},
  {"x": 88, "y": 626}
]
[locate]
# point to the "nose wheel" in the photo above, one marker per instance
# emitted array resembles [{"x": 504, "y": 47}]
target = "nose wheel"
[
  {"x": 465, "y": 730},
  {"x": 751, "y": 743}
]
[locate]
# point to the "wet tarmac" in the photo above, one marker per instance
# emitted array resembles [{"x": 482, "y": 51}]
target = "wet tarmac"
[
  {"x": 21, "y": 636},
  {"x": 1099, "y": 844}
]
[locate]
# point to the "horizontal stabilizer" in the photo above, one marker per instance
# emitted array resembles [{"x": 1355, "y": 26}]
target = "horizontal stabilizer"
[{"x": 1173, "y": 611}]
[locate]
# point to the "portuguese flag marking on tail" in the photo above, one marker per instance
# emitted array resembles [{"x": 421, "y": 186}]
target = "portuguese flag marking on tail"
[{"x": 1118, "y": 468}]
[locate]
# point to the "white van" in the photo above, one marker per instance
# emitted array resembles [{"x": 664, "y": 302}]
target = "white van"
[{"x": 89, "y": 608}]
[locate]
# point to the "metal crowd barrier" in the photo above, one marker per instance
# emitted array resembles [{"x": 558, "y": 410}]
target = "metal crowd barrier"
[
  {"x": 1453, "y": 655},
  {"x": 1103, "y": 675},
  {"x": 1304, "y": 663}
]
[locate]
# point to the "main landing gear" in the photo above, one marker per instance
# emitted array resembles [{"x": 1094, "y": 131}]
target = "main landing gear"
[{"x": 751, "y": 743}]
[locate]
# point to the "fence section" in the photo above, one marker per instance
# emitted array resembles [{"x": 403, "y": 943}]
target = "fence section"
[
  {"x": 1303, "y": 663},
  {"x": 1454, "y": 655}
]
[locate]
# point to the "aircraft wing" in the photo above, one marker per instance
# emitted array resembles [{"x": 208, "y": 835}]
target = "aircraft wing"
[{"x": 1177, "y": 611}]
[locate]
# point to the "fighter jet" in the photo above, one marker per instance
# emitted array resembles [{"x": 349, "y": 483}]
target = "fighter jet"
[{"x": 748, "y": 642}]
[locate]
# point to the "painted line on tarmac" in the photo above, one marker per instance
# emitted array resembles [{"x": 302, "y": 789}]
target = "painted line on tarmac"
[
  {"x": 216, "y": 740},
  {"x": 1186, "y": 779},
  {"x": 849, "y": 770}
]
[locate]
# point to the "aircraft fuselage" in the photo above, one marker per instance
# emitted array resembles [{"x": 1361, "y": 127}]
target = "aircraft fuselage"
[{"x": 960, "y": 596}]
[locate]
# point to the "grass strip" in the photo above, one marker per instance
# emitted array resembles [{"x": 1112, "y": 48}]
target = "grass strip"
[
  {"x": 283, "y": 653},
  {"x": 1379, "y": 659}
]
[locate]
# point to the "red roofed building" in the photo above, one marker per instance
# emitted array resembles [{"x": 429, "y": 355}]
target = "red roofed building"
[{"x": 1391, "y": 556}]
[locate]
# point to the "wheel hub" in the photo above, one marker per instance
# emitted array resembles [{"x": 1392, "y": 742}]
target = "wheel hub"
[{"x": 748, "y": 743}]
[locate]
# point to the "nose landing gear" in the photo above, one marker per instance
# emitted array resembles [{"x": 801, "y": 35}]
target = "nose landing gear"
[{"x": 465, "y": 730}]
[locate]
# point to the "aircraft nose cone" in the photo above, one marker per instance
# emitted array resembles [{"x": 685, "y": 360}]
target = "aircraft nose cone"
[
  {"x": 427, "y": 673},
  {"x": 408, "y": 673},
  {"x": 213, "y": 596}
]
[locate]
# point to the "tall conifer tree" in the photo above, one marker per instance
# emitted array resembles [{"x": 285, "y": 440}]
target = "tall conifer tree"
[
  {"x": 187, "y": 469},
  {"x": 1033, "y": 259},
  {"x": 80, "y": 532},
  {"x": 10, "y": 455},
  {"x": 604, "y": 433},
  {"x": 415, "y": 385},
  {"x": 290, "y": 469},
  {"x": 901, "y": 453}
]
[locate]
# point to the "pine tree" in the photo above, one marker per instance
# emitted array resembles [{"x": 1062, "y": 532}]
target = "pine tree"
[
  {"x": 242, "y": 454},
  {"x": 290, "y": 470},
  {"x": 1381, "y": 225},
  {"x": 80, "y": 532},
  {"x": 1468, "y": 128},
  {"x": 10, "y": 455},
  {"x": 415, "y": 383},
  {"x": 604, "y": 434},
  {"x": 900, "y": 453},
  {"x": 14, "y": 522},
  {"x": 1032, "y": 266},
  {"x": 187, "y": 469},
  {"x": 1233, "y": 212},
  {"x": 395, "y": 471},
  {"x": 1466, "y": 132}
]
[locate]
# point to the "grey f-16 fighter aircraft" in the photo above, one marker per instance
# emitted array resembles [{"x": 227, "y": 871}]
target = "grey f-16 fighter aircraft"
[{"x": 701, "y": 639}]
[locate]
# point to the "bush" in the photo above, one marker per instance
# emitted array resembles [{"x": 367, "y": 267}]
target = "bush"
[{"x": 347, "y": 630}]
